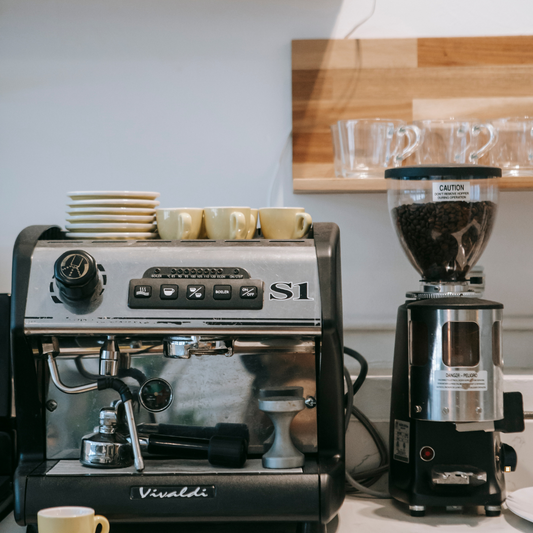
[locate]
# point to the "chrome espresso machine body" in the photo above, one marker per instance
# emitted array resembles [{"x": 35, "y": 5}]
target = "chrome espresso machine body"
[
  {"x": 448, "y": 406},
  {"x": 188, "y": 339}
]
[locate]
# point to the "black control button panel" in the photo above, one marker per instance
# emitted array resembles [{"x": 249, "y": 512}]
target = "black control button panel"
[
  {"x": 142, "y": 291},
  {"x": 158, "y": 293},
  {"x": 222, "y": 292},
  {"x": 168, "y": 292}
]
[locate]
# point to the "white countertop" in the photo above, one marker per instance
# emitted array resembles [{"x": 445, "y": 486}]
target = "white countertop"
[{"x": 357, "y": 515}]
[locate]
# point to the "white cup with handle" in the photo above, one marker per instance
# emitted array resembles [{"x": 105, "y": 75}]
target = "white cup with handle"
[
  {"x": 180, "y": 223},
  {"x": 284, "y": 222},
  {"x": 223, "y": 223},
  {"x": 70, "y": 519}
]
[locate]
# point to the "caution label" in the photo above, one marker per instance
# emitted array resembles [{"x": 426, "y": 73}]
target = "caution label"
[
  {"x": 401, "y": 441},
  {"x": 462, "y": 380},
  {"x": 451, "y": 191}
]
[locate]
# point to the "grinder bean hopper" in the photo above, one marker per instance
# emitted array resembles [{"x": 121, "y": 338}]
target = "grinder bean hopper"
[{"x": 448, "y": 407}]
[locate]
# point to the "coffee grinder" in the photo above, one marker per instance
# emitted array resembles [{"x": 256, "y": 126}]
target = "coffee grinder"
[{"x": 448, "y": 407}]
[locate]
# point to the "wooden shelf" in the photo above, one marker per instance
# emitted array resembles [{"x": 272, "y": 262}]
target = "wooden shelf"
[
  {"x": 349, "y": 185},
  {"x": 408, "y": 79},
  {"x": 306, "y": 179}
]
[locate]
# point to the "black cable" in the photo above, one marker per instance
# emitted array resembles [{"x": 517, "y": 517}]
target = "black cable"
[
  {"x": 368, "y": 477},
  {"x": 348, "y": 399},
  {"x": 363, "y": 480},
  {"x": 358, "y": 383}
]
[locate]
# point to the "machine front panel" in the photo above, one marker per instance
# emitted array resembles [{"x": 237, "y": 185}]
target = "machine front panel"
[{"x": 255, "y": 285}]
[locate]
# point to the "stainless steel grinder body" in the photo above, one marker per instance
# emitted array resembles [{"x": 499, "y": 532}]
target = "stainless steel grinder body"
[
  {"x": 455, "y": 362},
  {"x": 448, "y": 406}
]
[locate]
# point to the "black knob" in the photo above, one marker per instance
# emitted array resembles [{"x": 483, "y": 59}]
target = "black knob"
[{"x": 76, "y": 275}]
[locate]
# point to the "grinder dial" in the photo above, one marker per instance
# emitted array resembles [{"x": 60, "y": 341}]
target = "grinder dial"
[{"x": 76, "y": 275}]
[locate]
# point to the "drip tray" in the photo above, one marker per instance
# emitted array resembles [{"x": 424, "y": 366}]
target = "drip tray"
[{"x": 176, "y": 466}]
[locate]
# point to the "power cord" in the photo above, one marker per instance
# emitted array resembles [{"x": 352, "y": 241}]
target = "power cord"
[
  {"x": 363, "y": 21},
  {"x": 363, "y": 480}
]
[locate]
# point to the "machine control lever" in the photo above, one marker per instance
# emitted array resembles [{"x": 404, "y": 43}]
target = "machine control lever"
[{"x": 281, "y": 410}]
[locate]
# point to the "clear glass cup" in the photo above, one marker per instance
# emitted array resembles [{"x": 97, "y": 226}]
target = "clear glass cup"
[
  {"x": 364, "y": 148},
  {"x": 513, "y": 152},
  {"x": 453, "y": 141}
]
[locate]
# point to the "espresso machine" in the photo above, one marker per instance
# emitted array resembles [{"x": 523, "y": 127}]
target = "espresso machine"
[
  {"x": 448, "y": 407},
  {"x": 179, "y": 381}
]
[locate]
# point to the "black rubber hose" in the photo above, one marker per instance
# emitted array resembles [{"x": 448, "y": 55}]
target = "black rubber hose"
[
  {"x": 116, "y": 384},
  {"x": 133, "y": 373}
]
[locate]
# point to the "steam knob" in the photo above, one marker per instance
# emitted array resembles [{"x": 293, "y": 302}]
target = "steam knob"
[{"x": 76, "y": 275}]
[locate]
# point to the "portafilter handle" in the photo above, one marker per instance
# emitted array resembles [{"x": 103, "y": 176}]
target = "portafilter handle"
[{"x": 219, "y": 450}]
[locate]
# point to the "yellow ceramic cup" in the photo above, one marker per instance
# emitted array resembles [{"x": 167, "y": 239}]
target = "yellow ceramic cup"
[
  {"x": 70, "y": 520},
  {"x": 284, "y": 222},
  {"x": 179, "y": 223},
  {"x": 253, "y": 223},
  {"x": 227, "y": 222}
]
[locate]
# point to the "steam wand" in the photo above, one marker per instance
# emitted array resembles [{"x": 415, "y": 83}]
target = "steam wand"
[{"x": 101, "y": 384}]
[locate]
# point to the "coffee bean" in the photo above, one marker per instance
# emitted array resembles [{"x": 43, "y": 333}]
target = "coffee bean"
[{"x": 446, "y": 238}]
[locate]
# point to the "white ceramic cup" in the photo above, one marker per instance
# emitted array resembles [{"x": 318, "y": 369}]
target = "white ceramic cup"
[
  {"x": 284, "y": 222},
  {"x": 227, "y": 222},
  {"x": 70, "y": 520},
  {"x": 179, "y": 223}
]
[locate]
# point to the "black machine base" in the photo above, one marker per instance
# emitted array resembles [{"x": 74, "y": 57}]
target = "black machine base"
[
  {"x": 267, "y": 527},
  {"x": 299, "y": 495}
]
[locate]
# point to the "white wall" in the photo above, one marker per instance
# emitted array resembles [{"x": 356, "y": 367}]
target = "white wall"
[{"x": 193, "y": 99}]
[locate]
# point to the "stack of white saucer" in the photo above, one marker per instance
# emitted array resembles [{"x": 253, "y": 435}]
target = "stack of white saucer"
[{"x": 111, "y": 215}]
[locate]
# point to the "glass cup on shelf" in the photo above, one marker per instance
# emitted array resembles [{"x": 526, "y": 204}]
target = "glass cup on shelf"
[
  {"x": 364, "y": 148},
  {"x": 453, "y": 141},
  {"x": 513, "y": 152}
]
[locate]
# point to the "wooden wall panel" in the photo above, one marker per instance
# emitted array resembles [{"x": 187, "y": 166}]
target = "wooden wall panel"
[
  {"x": 464, "y": 51},
  {"x": 481, "y": 77},
  {"x": 482, "y": 108},
  {"x": 321, "y": 54}
]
